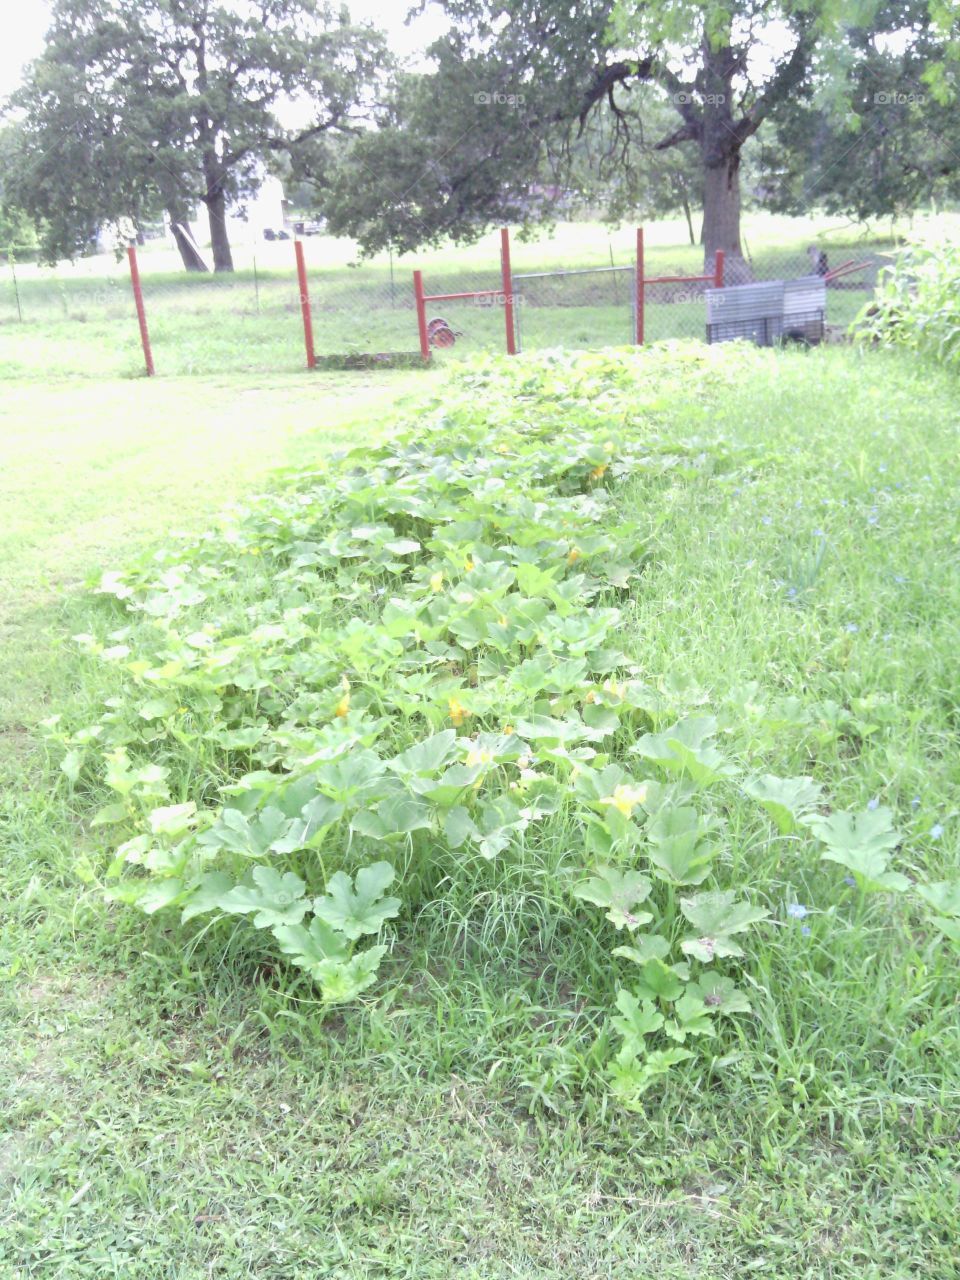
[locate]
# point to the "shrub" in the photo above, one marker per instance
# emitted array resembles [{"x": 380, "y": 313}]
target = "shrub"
[{"x": 917, "y": 303}]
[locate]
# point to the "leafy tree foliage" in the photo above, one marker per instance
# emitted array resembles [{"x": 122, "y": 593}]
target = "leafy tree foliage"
[
  {"x": 515, "y": 82},
  {"x": 141, "y": 105}
]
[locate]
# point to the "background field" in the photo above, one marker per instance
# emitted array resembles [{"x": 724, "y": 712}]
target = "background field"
[
  {"x": 178, "y": 1115},
  {"x": 78, "y": 319}
]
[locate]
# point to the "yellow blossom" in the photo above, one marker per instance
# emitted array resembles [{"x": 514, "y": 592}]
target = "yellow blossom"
[
  {"x": 468, "y": 565},
  {"x": 502, "y": 620},
  {"x": 608, "y": 447},
  {"x": 457, "y": 711},
  {"x": 508, "y": 730},
  {"x": 436, "y": 581},
  {"x": 626, "y": 798},
  {"x": 599, "y": 472},
  {"x": 574, "y": 555},
  {"x": 479, "y": 755},
  {"x": 343, "y": 706}
]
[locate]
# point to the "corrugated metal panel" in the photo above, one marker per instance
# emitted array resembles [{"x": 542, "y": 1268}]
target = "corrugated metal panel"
[{"x": 768, "y": 311}]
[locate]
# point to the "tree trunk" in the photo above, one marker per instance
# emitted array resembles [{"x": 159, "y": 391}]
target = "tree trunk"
[
  {"x": 721, "y": 217},
  {"x": 179, "y": 223},
  {"x": 720, "y": 152},
  {"x": 219, "y": 240},
  {"x": 689, "y": 217}
]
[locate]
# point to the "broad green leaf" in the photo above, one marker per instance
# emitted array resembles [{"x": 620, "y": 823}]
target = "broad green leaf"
[
  {"x": 719, "y": 994},
  {"x": 943, "y": 896},
  {"x": 309, "y": 948},
  {"x": 658, "y": 981},
  {"x": 172, "y": 819},
  {"x": 644, "y": 947},
  {"x": 355, "y": 912},
  {"x": 785, "y": 799},
  {"x": 157, "y": 708},
  {"x": 71, "y": 764},
  {"x": 206, "y": 897},
  {"x": 862, "y": 842},
  {"x": 637, "y": 1020},
  {"x": 159, "y": 894},
  {"x": 620, "y": 892},
  {"x": 676, "y": 849},
  {"x": 716, "y": 913},
  {"x": 686, "y": 748},
  {"x": 428, "y": 756},
  {"x": 343, "y": 980},
  {"x": 459, "y": 827},
  {"x": 276, "y": 899},
  {"x": 717, "y": 917},
  {"x": 394, "y": 816}
]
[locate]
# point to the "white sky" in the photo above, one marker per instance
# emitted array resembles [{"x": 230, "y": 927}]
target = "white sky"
[{"x": 23, "y": 32}]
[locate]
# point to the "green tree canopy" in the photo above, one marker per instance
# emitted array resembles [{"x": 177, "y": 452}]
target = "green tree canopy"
[{"x": 142, "y": 105}]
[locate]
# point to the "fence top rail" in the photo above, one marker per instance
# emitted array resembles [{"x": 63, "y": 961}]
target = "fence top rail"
[
  {"x": 452, "y": 297},
  {"x": 578, "y": 271}
]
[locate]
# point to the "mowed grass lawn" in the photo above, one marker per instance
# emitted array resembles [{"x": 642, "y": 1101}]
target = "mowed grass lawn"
[{"x": 171, "y": 1114}]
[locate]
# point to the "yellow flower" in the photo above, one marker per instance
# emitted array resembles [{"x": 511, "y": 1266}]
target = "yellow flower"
[
  {"x": 436, "y": 581},
  {"x": 591, "y": 696},
  {"x": 574, "y": 555},
  {"x": 524, "y": 762},
  {"x": 502, "y": 620},
  {"x": 479, "y": 755},
  {"x": 457, "y": 711},
  {"x": 508, "y": 730},
  {"x": 599, "y": 472},
  {"x": 343, "y": 706},
  {"x": 608, "y": 447},
  {"x": 468, "y": 565},
  {"x": 625, "y": 798}
]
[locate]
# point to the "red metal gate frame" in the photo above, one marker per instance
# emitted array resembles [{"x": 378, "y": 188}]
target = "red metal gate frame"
[
  {"x": 715, "y": 278},
  {"x": 505, "y": 291}
]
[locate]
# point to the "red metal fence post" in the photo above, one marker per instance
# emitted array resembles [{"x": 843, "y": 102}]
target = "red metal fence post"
[
  {"x": 718, "y": 270},
  {"x": 305, "y": 304},
  {"x": 141, "y": 313},
  {"x": 421, "y": 314},
  {"x": 639, "y": 287},
  {"x": 507, "y": 290}
]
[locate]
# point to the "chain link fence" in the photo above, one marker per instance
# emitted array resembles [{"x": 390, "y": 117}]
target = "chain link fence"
[{"x": 79, "y": 319}]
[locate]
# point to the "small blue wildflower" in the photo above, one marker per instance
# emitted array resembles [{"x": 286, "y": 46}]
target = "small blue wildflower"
[
  {"x": 818, "y": 533},
  {"x": 874, "y": 803},
  {"x": 798, "y": 503},
  {"x": 882, "y": 467},
  {"x": 899, "y": 579},
  {"x": 850, "y": 881},
  {"x": 873, "y": 520},
  {"x": 936, "y": 831},
  {"x": 915, "y": 803},
  {"x": 852, "y": 628},
  {"x": 796, "y": 910},
  {"x": 765, "y": 520},
  {"x": 806, "y": 931},
  {"x": 791, "y": 592}
]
